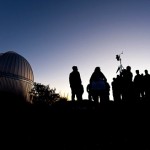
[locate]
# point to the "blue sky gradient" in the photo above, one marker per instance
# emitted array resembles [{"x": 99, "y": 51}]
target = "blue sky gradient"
[{"x": 54, "y": 35}]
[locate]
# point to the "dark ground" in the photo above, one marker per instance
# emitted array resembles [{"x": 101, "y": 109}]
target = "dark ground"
[{"x": 76, "y": 125}]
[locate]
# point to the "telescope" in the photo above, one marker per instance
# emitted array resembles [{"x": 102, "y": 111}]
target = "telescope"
[
  {"x": 118, "y": 57},
  {"x": 120, "y": 68}
]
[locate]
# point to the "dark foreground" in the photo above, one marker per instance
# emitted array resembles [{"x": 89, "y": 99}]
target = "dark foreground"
[{"x": 75, "y": 126}]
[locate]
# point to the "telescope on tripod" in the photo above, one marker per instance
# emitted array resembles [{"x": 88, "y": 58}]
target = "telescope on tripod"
[{"x": 120, "y": 67}]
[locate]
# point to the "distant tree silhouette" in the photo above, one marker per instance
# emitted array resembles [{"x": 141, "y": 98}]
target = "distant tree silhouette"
[{"x": 44, "y": 95}]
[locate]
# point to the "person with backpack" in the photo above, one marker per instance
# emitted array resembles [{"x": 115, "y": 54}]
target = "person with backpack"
[{"x": 98, "y": 83}]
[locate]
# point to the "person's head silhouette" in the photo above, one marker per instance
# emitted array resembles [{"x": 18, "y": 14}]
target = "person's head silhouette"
[
  {"x": 146, "y": 71},
  {"x": 75, "y": 68},
  {"x": 128, "y": 68},
  {"x": 97, "y": 69},
  {"x": 137, "y": 72}
]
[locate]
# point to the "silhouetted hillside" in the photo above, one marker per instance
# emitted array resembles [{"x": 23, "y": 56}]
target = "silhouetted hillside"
[{"x": 76, "y": 125}]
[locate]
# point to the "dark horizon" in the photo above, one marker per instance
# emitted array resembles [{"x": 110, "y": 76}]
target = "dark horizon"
[{"x": 75, "y": 125}]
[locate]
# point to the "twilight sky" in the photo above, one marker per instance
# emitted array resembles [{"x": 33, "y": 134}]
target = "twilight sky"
[{"x": 54, "y": 35}]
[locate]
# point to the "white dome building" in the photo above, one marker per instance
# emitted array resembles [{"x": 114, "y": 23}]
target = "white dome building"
[{"x": 16, "y": 75}]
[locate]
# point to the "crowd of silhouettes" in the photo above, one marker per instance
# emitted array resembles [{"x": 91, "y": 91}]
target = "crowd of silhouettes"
[
  {"x": 129, "y": 88},
  {"x": 125, "y": 87}
]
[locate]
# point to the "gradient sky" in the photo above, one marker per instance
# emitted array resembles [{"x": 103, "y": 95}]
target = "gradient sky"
[{"x": 54, "y": 35}]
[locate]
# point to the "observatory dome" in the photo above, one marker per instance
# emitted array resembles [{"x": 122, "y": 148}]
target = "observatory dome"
[{"x": 16, "y": 75}]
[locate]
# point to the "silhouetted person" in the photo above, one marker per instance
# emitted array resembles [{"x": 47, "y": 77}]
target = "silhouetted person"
[
  {"x": 107, "y": 92},
  {"x": 138, "y": 85},
  {"x": 117, "y": 89},
  {"x": 147, "y": 85},
  {"x": 142, "y": 86},
  {"x": 88, "y": 89},
  {"x": 127, "y": 85},
  {"x": 75, "y": 84},
  {"x": 98, "y": 85}
]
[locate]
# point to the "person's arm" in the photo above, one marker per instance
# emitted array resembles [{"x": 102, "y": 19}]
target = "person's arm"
[
  {"x": 104, "y": 77},
  {"x": 80, "y": 79},
  {"x": 70, "y": 79},
  {"x": 91, "y": 78}
]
